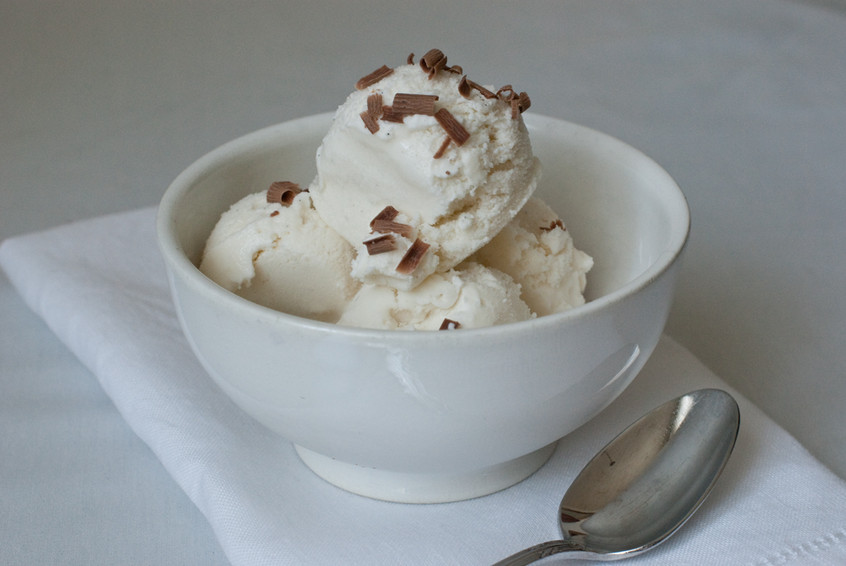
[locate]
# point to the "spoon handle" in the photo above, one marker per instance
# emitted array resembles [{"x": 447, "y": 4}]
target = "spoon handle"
[{"x": 542, "y": 550}]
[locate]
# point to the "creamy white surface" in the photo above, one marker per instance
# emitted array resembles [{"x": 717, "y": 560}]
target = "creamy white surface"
[
  {"x": 540, "y": 256},
  {"x": 471, "y": 294}
]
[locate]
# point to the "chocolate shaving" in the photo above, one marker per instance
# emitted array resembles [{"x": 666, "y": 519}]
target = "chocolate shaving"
[
  {"x": 369, "y": 122},
  {"x": 389, "y": 226},
  {"x": 432, "y": 62},
  {"x": 506, "y": 93},
  {"x": 485, "y": 92},
  {"x": 274, "y": 213},
  {"x": 553, "y": 225},
  {"x": 449, "y": 324},
  {"x": 283, "y": 192},
  {"x": 373, "y": 78},
  {"x": 373, "y": 112},
  {"x": 387, "y": 213},
  {"x": 412, "y": 258},
  {"x": 457, "y": 69},
  {"x": 381, "y": 244},
  {"x": 466, "y": 86},
  {"x": 374, "y": 104},
  {"x": 520, "y": 104},
  {"x": 384, "y": 223},
  {"x": 410, "y": 59},
  {"x": 452, "y": 127},
  {"x": 389, "y": 114},
  {"x": 443, "y": 148},
  {"x": 405, "y": 103}
]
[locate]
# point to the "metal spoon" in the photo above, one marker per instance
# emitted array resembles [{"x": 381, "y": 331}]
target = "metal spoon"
[{"x": 646, "y": 482}]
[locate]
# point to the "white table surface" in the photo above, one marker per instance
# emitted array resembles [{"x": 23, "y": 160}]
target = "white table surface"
[{"x": 103, "y": 103}]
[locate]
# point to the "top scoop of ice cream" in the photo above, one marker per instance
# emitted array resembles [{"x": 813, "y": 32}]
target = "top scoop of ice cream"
[{"x": 452, "y": 157}]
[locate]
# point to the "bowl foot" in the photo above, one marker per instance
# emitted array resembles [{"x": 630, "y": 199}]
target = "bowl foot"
[{"x": 402, "y": 487}]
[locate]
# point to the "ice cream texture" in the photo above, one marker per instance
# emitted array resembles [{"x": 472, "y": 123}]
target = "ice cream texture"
[
  {"x": 468, "y": 296},
  {"x": 421, "y": 216},
  {"x": 281, "y": 256},
  {"x": 537, "y": 251}
]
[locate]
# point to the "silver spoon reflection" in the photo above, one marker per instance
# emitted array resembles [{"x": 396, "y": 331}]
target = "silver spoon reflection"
[{"x": 643, "y": 486}]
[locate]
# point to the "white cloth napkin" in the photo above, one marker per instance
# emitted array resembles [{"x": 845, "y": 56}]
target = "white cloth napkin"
[{"x": 101, "y": 287}]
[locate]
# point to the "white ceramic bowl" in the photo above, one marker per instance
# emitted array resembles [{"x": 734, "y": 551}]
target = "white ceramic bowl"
[{"x": 435, "y": 416}]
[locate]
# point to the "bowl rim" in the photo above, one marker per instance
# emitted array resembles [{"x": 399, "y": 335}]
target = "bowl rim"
[{"x": 177, "y": 261}]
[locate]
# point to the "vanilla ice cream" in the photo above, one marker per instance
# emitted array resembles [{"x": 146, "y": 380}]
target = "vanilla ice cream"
[
  {"x": 468, "y": 296},
  {"x": 452, "y": 157},
  {"x": 537, "y": 251},
  {"x": 421, "y": 216},
  {"x": 281, "y": 255}
]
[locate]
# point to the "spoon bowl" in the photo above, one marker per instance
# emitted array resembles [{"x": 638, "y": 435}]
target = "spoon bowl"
[{"x": 641, "y": 487}]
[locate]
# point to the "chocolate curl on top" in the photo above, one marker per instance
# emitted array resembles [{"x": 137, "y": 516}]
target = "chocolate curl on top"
[
  {"x": 373, "y": 112},
  {"x": 405, "y": 103},
  {"x": 506, "y": 93},
  {"x": 452, "y": 127},
  {"x": 520, "y": 104},
  {"x": 373, "y": 78},
  {"x": 380, "y": 244},
  {"x": 432, "y": 62},
  {"x": 387, "y": 213},
  {"x": 389, "y": 226},
  {"x": 374, "y": 104},
  {"x": 412, "y": 258},
  {"x": 390, "y": 114},
  {"x": 466, "y": 86},
  {"x": 384, "y": 223},
  {"x": 283, "y": 192},
  {"x": 369, "y": 122}
]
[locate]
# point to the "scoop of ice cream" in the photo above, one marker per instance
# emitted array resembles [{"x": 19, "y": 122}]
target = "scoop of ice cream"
[
  {"x": 537, "y": 251},
  {"x": 282, "y": 257},
  {"x": 469, "y": 296},
  {"x": 452, "y": 157}
]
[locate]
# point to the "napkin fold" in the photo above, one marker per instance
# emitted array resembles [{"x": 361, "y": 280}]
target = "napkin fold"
[{"x": 101, "y": 286}]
